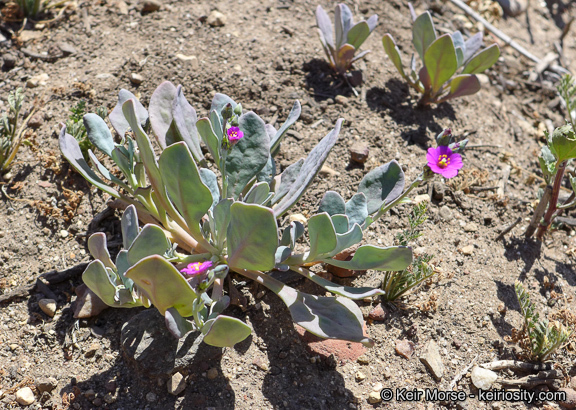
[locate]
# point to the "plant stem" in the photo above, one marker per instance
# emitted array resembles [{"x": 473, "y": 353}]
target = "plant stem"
[
  {"x": 539, "y": 212},
  {"x": 553, "y": 201}
]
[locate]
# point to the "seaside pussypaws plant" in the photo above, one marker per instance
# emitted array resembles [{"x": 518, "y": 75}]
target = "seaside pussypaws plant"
[
  {"x": 442, "y": 57},
  {"x": 202, "y": 221},
  {"x": 543, "y": 337},
  {"x": 341, "y": 49}
]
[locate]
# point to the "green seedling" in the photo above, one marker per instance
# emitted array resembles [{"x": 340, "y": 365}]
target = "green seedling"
[
  {"x": 30, "y": 8},
  {"x": 544, "y": 337},
  {"x": 10, "y": 133},
  {"x": 559, "y": 151},
  {"x": 442, "y": 57},
  {"x": 341, "y": 49}
]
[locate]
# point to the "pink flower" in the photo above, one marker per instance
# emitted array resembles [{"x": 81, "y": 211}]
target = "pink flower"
[
  {"x": 443, "y": 161},
  {"x": 234, "y": 135},
  {"x": 197, "y": 268}
]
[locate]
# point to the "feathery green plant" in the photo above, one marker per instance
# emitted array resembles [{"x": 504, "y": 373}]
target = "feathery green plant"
[
  {"x": 75, "y": 125},
  {"x": 398, "y": 284},
  {"x": 10, "y": 133},
  {"x": 544, "y": 337}
]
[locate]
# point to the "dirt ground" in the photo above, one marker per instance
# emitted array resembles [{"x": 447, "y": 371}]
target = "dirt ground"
[{"x": 266, "y": 56}]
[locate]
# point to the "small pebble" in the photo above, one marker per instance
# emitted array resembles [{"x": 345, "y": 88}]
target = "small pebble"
[
  {"x": 299, "y": 218},
  {"x": 470, "y": 227},
  {"x": 63, "y": 234},
  {"x": 48, "y": 306},
  {"x": 467, "y": 250},
  {"x": 148, "y": 6},
  {"x": 360, "y": 376},
  {"x": 136, "y": 79},
  {"x": 151, "y": 397},
  {"x": 216, "y": 19},
  {"x": 405, "y": 348},
  {"x": 363, "y": 360},
  {"x": 176, "y": 384},
  {"x": 374, "y": 397},
  {"x": 340, "y": 99},
  {"x": 446, "y": 213},
  {"x": 212, "y": 373},
  {"x": 25, "y": 396},
  {"x": 94, "y": 347},
  {"x": 359, "y": 152}
]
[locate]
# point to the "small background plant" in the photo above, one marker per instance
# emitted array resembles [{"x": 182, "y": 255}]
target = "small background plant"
[
  {"x": 341, "y": 49},
  {"x": 442, "y": 57},
  {"x": 559, "y": 151},
  {"x": 398, "y": 284},
  {"x": 10, "y": 132},
  {"x": 538, "y": 337},
  {"x": 75, "y": 125},
  {"x": 30, "y": 8}
]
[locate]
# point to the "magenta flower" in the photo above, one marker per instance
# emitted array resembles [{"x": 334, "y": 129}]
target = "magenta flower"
[
  {"x": 234, "y": 135},
  {"x": 443, "y": 161},
  {"x": 197, "y": 268}
]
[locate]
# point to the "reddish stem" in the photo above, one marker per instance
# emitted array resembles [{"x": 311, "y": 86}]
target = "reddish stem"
[{"x": 553, "y": 202}]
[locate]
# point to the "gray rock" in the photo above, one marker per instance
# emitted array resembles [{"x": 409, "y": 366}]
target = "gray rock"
[
  {"x": 176, "y": 384},
  {"x": 446, "y": 213},
  {"x": 46, "y": 384},
  {"x": 439, "y": 190},
  {"x": 483, "y": 378},
  {"x": 432, "y": 360},
  {"x": 66, "y": 48},
  {"x": 470, "y": 227},
  {"x": 136, "y": 79},
  {"x": 150, "y": 349}
]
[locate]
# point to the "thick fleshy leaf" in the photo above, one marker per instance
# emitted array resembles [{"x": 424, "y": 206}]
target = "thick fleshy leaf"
[
  {"x": 325, "y": 26},
  {"x": 222, "y": 217},
  {"x": 252, "y": 237},
  {"x": 122, "y": 161},
  {"x": 291, "y": 234},
  {"x": 258, "y": 193},
  {"x": 150, "y": 241},
  {"x": 209, "y": 137},
  {"x": 220, "y": 305},
  {"x": 332, "y": 203},
  {"x": 129, "y": 225},
  {"x": 308, "y": 170},
  {"x": 382, "y": 185},
  {"x": 161, "y": 282},
  {"x": 97, "y": 246},
  {"x": 344, "y": 58},
  {"x": 98, "y": 133},
  {"x": 184, "y": 185},
  {"x": 562, "y": 143},
  {"x": 292, "y": 117},
  {"x": 216, "y": 121},
  {"x": 342, "y": 23},
  {"x": 472, "y": 45},
  {"x": 287, "y": 180},
  {"x": 423, "y": 33},
  {"x": 185, "y": 119},
  {"x": 393, "y": 258},
  {"x": 360, "y": 55},
  {"x": 461, "y": 85},
  {"x": 483, "y": 60},
  {"x": 116, "y": 117},
  {"x": 357, "y": 209},
  {"x": 267, "y": 173},
  {"x": 161, "y": 110},
  {"x": 440, "y": 60},
  {"x": 327, "y": 317},
  {"x": 372, "y": 22},
  {"x": 458, "y": 46},
  {"x": 249, "y": 155},
  {"x": 210, "y": 179},
  {"x": 99, "y": 282},
  {"x": 346, "y": 291},
  {"x": 358, "y": 34},
  {"x": 176, "y": 324},
  {"x": 340, "y": 222},
  {"x": 105, "y": 173},
  {"x": 424, "y": 78},
  {"x": 322, "y": 236},
  {"x": 226, "y": 331},
  {"x": 393, "y": 53},
  {"x": 71, "y": 151},
  {"x": 328, "y": 50},
  {"x": 347, "y": 239}
]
